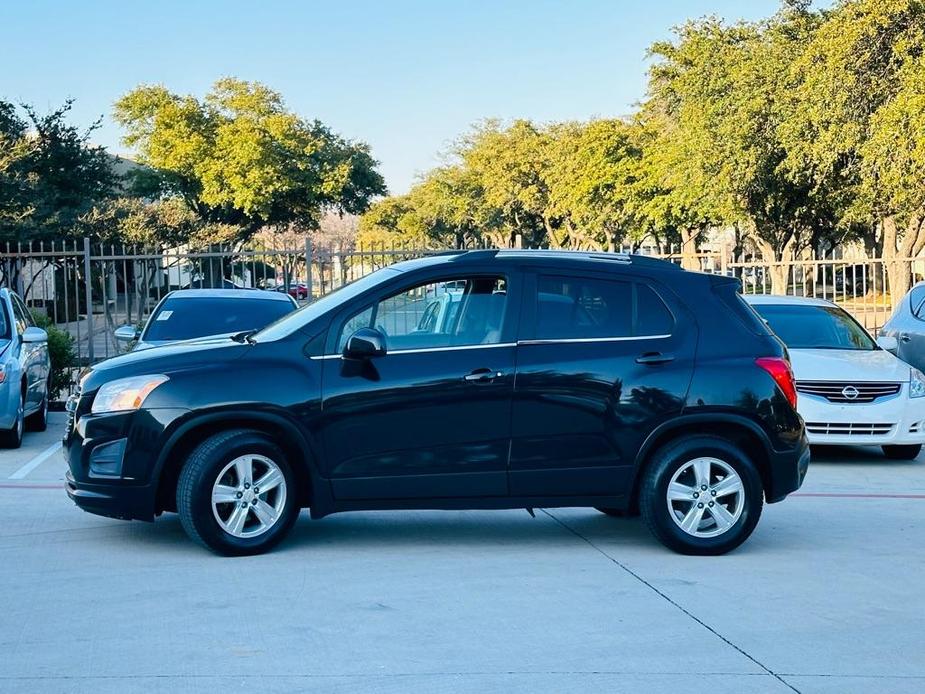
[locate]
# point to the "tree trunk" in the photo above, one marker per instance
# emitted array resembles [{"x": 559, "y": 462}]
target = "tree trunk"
[
  {"x": 779, "y": 261},
  {"x": 897, "y": 252},
  {"x": 689, "y": 259}
]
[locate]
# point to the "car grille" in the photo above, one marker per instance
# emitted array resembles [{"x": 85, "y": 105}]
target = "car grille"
[
  {"x": 842, "y": 391},
  {"x": 850, "y": 428}
]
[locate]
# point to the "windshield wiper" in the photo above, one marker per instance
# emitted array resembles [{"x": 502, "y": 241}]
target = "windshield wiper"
[{"x": 245, "y": 336}]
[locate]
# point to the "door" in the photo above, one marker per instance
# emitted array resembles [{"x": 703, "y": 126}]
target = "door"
[
  {"x": 601, "y": 362},
  {"x": 33, "y": 356},
  {"x": 430, "y": 418}
]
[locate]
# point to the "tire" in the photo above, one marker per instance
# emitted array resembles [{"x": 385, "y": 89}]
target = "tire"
[
  {"x": 214, "y": 465},
  {"x": 906, "y": 452},
  {"x": 38, "y": 421},
  {"x": 682, "y": 463},
  {"x": 12, "y": 438}
]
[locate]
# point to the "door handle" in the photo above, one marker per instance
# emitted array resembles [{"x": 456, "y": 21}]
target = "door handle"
[
  {"x": 651, "y": 358},
  {"x": 482, "y": 376},
  {"x": 904, "y": 337}
]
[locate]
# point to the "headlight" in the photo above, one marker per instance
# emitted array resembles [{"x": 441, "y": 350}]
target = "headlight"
[
  {"x": 130, "y": 393},
  {"x": 916, "y": 384}
]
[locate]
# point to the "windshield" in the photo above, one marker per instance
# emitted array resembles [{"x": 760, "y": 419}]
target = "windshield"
[
  {"x": 297, "y": 319},
  {"x": 815, "y": 327},
  {"x": 189, "y": 318}
]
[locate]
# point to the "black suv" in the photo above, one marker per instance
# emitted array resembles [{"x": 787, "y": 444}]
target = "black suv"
[{"x": 480, "y": 379}]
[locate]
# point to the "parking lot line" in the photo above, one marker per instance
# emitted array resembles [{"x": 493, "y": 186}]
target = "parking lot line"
[{"x": 36, "y": 461}]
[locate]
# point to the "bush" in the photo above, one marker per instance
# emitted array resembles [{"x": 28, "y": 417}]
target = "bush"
[{"x": 61, "y": 349}]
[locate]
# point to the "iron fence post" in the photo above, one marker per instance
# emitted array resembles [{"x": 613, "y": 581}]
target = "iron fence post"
[
  {"x": 88, "y": 295},
  {"x": 308, "y": 267}
]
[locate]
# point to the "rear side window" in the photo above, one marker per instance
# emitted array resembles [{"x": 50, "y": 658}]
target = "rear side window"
[
  {"x": 585, "y": 307},
  {"x": 728, "y": 293},
  {"x": 916, "y": 297}
]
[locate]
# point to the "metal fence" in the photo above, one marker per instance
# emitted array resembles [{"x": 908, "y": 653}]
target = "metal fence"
[{"x": 86, "y": 291}]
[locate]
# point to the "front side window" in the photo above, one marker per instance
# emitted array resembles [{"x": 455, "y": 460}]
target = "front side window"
[
  {"x": 815, "y": 327},
  {"x": 453, "y": 313},
  {"x": 20, "y": 315},
  {"x": 585, "y": 307}
]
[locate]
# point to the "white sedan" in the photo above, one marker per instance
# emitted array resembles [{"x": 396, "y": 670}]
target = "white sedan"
[{"x": 851, "y": 390}]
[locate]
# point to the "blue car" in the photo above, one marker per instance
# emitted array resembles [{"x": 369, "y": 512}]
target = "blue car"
[{"x": 24, "y": 371}]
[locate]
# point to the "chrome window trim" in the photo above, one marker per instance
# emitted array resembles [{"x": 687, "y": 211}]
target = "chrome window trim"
[
  {"x": 568, "y": 340},
  {"x": 424, "y": 350}
]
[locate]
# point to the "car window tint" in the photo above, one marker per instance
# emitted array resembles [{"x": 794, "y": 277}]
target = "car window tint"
[
  {"x": 815, "y": 327},
  {"x": 363, "y": 319},
  {"x": 20, "y": 314},
  {"x": 576, "y": 307},
  {"x": 5, "y": 323},
  {"x": 191, "y": 317},
  {"x": 916, "y": 297},
  {"x": 652, "y": 316},
  {"x": 444, "y": 314}
]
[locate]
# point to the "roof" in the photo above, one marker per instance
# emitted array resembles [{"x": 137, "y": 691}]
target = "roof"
[
  {"x": 242, "y": 293},
  {"x": 773, "y": 299},
  {"x": 540, "y": 256}
]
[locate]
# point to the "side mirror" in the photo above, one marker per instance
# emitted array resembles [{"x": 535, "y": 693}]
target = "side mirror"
[
  {"x": 127, "y": 333},
  {"x": 33, "y": 334},
  {"x": 888, "y": 342},
  {"x": 365, "y": 343}
]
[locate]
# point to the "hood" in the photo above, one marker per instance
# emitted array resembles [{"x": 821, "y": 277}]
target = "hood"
[
  {"x": 213, "y": 352},
  {"x": 848, "y": 365}
]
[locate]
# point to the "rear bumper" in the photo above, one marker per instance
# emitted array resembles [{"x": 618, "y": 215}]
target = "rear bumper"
[{"x": 787, "y": 472}]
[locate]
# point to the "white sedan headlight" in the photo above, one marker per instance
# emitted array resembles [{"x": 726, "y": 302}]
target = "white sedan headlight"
[
  {"x": 916, "y": 384},
  {"x": 129, "y": 393}
]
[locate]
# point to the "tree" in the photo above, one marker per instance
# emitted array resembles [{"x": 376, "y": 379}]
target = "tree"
[
  {"x": 239, "y": 158},
  {"x": 858, "y": 128},
  {"x": 725, "y": 90},
  {"x": 50, "y": 174}
]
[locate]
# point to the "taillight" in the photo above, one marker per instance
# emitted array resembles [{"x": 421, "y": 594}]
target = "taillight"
[{"x": 780, "y": 371}]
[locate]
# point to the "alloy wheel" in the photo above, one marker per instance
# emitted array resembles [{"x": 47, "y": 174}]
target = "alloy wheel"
[
  {"x": 705, "y": 497},
  {"x": 248, "y": 496}
]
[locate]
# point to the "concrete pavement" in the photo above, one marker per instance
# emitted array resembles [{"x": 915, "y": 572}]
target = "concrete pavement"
[{"x": 825, "y": 597}]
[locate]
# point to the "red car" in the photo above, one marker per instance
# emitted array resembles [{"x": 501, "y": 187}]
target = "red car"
[{"x": 297, "y": 291}]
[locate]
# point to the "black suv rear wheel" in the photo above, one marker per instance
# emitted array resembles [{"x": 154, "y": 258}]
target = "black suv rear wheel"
[
  {"x": 236, "y": 494},
  {"x": 701, "y": 495}
]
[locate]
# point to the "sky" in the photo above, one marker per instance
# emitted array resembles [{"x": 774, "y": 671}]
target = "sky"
[{"x": 406, "y": 76}]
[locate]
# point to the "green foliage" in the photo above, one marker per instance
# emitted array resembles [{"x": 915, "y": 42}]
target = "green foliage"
[
  {"x": 50, "y": 174},
  {"x": 62, "y": 351},
  {"x": 239, "y": 158}
]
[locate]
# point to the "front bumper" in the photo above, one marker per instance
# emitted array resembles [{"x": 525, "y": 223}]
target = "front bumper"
[
  {"x": 894, "y": 420},
  {"x": 111, "y": 459}
]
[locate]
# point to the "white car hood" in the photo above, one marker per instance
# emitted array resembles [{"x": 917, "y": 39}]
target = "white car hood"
[{"x": 848, "y": 365}]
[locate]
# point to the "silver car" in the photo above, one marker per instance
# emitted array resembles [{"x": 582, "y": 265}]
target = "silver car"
[
  {"x": 24, "y": 371},
  {"x": 907, "y": 325}
]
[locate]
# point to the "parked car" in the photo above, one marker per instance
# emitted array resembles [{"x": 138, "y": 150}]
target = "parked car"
[
  {"x": 907, "y": 327},
  {"x": 187, "y": 314},
  {"x": 564, "y": 379},
  {"x": 25, "y": 368},
  {"x": 298, "y": 290},
  {"x": 851, "y": 390}
]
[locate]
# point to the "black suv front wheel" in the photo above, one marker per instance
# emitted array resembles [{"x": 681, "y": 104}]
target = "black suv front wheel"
[
  {"x": 236, "y": 494},
  {"x": 701, "y": 495}
]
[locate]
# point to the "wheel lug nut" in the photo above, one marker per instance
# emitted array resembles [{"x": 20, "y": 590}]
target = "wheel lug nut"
[
  {"x": 703, "y": 487},
  {"x": 700, "y": 505},
  {"x": 713, "y": 492},
  {"x": 247, "y": 485},
  {"x": 257, "y": 491},
  {"x": 696, "y": 494},
  {"x": 240, "y": 495},
  {"x": 711, "y": 504},
  {"x": 244, "y": 504},
  {"x": 254, "y": 502}
]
